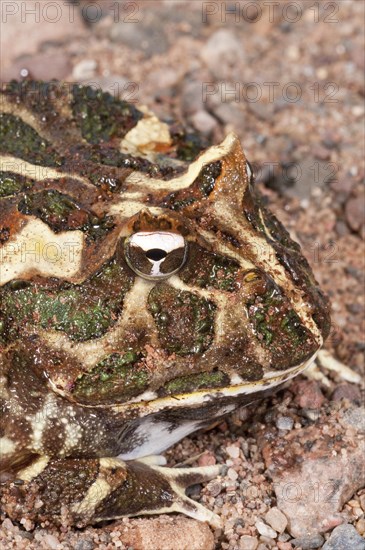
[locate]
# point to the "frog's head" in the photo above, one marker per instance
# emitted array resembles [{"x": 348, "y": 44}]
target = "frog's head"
[{"x": 220, "y": 300}]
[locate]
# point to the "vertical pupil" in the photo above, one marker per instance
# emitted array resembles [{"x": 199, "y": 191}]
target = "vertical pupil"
[{"x": 156, "y": 254}]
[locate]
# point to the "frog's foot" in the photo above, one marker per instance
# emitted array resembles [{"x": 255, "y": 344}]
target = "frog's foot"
[
  {"x": 92, "y": 490},
  {"x": 327, "y": 361}
]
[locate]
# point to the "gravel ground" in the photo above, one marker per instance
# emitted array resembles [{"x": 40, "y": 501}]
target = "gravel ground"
[{"x": 288, "y": 78}]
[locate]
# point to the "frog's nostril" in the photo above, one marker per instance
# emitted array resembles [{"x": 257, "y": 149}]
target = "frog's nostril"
[{"x": 156, "y": 254}]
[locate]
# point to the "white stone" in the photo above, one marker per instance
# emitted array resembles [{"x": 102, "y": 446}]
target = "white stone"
[
  {"x": 276, "y": 519},
  {"x": 84, "y": 69},
  {"x": 265, "y": 530},
  {"x": 233, "y": 451},
  {"x": 204, "y": 122}
]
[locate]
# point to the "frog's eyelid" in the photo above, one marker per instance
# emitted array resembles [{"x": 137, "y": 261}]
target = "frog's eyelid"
[
  {"x": 249, "y": 171},
  {"x": 163, "y": 240}
]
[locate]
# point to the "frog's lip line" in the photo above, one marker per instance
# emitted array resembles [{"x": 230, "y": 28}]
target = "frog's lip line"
[{"x": 204, "y": 396}]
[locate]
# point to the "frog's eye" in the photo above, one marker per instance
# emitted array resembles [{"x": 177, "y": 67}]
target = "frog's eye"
[{"x": 155, "y": 254}]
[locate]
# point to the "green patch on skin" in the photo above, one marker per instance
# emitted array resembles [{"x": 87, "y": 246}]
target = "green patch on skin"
[
  {"x": 279, "y": 328},
  {"x": 200, "y": 189},
  {"x": 100, "y": 116},
  {"x": 83, "y": 311},
  {"x": 207, "y": 177},
  {"x": 185, "y": 322},
  {"x": 20, "y": 140},
  {"x": 195, "y": 382},
  {"x": 62, "y": 213},
  {"x": 108, "y": 156},
  {"x": 116, "y": 378},
  {"x": 278, "y": 231},
  {"x": 208, "y": 270},
  {"x": 11, "y": 184}
]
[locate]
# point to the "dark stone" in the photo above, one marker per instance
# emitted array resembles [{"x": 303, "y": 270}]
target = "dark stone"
[
  {"x": 344, "y": 537},
  {"x": 307, "y": 543}
]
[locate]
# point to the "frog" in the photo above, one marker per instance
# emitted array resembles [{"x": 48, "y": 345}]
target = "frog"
[{"x": 146, "y": 293}]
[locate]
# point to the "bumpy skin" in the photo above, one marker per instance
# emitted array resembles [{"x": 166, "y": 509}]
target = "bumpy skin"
[{"x": 102, "y": 366}]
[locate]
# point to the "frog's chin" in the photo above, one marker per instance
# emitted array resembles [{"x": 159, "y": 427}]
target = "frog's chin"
[{"x": 151, "y": 403}]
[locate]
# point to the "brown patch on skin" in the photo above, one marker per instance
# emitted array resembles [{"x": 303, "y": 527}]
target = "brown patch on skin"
[
  {"x": 11, "y": 221},
  {"x": 4, "y": 234},
  {"x": 87, "y": 196},
  {"x": 135, "y": 495},
  {"x": 63, "y": 483},
  {"x": 114, "y": 476},
  {"x": 145, "y": 221},
  {"x": 238, "y": 359}
]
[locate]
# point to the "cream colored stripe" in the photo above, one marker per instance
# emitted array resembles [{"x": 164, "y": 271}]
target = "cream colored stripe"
[
  {"x": 38, "y": 173},
  {"x": 139, "y": 180},
  {"x": 37, "y": 248},
  {"x": 225, "y": 250},
  {"x": 27, "y": 115},
  {"x": 212, "y": 295},
  {"x": 32, "y": 471},
  {"x": 99, "y": 490},
  {"x": 128, "y": 208},
  {"x": 7, "y": 446}
]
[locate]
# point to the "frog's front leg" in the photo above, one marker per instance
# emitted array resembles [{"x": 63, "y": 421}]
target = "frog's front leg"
[{"x": 92, "y": 490}]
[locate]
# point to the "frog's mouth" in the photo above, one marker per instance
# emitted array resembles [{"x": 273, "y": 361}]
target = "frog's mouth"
[
  {"x": 164, "y": 421},
  {"x": 149, "y": 403}
]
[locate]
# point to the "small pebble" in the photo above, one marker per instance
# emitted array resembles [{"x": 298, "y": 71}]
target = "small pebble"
[
  {"x": 8, "y": 525},
  {"x": 51, "y": 541},
  {"x": 360, "y": 526},
  {"x": 284, "y": 423},
  {"x": 84, "y": 69},
  {"x": 248, "y": 543},
  {"x": 308, "y": 395},
  {"x": 204, "y": 122},
  {"x": 233, "y": 451},
  {"x": 354, "y": 211},
  {"x": 214, "y": 487},
  {"x": 232, "y": 474},
  {"x": 84, "y": 545},
  {"x": 265, "y": 530},
  {"x": 222, "y": 51},
  {"x": 276, "y": 519},
  {"x": 206, "y": 459}
]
